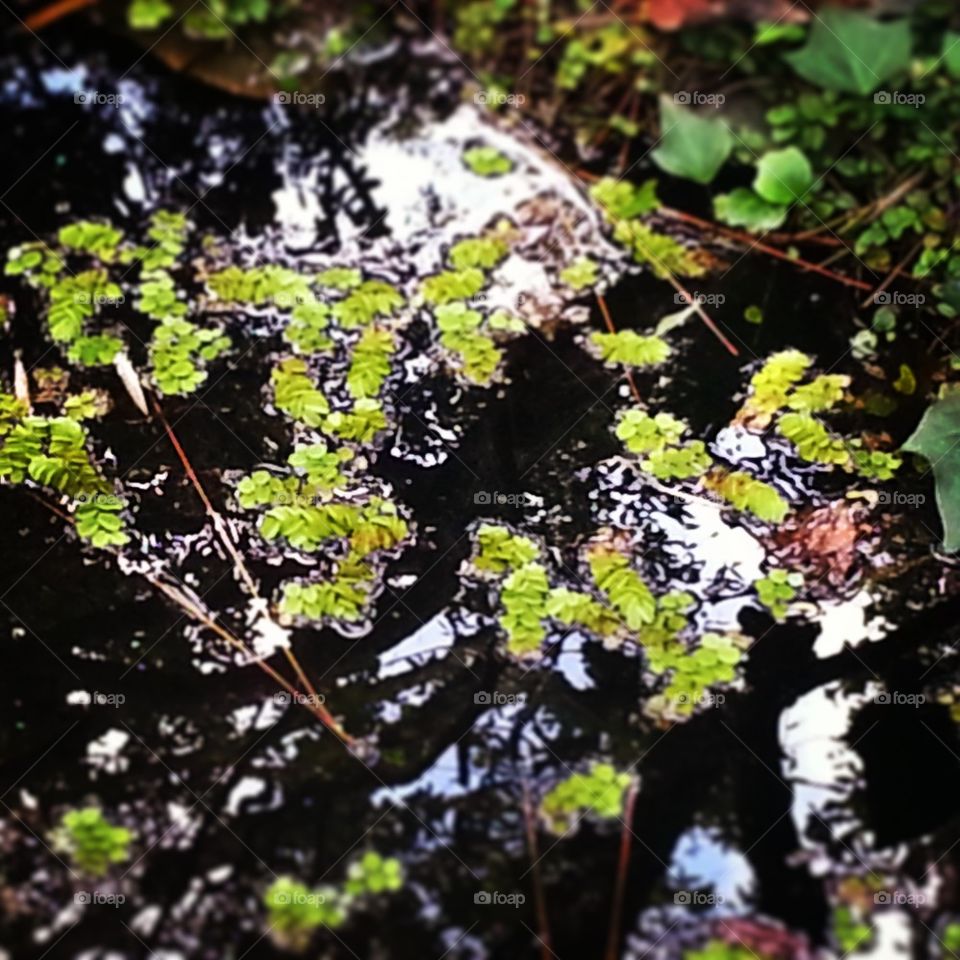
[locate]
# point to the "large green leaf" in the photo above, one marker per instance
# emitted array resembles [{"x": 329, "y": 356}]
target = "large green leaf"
[
  {"x": 783, "y": 176},
  {"x": 691, "y": 146},
  {"x": 851, "y": 52},
  {"x": 743, "y": 208},
  {"x": 938, "y": 439}
]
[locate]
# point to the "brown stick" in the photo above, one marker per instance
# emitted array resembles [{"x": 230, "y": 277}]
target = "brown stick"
[
  {"x": 53, "y": 12},
  {"x": 755, "y": 244},
  {"x": 608, "y": 320},
  {"x": 620, "y": 885},
  {"x": 543, "y": 920},
  {"x": 225, "y": 538}
]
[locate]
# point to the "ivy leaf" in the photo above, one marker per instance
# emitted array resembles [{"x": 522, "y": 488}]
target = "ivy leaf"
[
  {"x": 851, "y": 52},
  {"x": 937, "y": 438},
  {"x": 743, "y": 208},
  {"x": 691, "y": 147},
  {"x": 783, "y": 176}
]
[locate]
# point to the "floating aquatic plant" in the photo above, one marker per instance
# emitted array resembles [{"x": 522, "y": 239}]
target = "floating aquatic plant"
[
  {"x": 622, "y": 585},
  {"x": 91, "y": 841},
  {"x": 500, "y": 551},
  {"x": 307, "y": 328},
  {"x": 370, "y": 363},
  {"x": 524, "y": 595},
  {"x": 487, "y": 161},
  {"x": 478, "y": 356},
  {"x": 598, "y": 793},
  {"x": 483, "y": 253},
  {"x": 748, "y": 494},
  {"x": 451, "y": 285},
  {"x": 295, "y": 393},
  {"x": 631, "y": 348},
  {"x": 776, "y": 590},
  {"x": 580, "y": 274},
  {"x": 371, "y": 300}
]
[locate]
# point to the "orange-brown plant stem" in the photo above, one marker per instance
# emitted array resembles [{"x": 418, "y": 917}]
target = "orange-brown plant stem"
[
  {"x": 226, "y": 539},
  {"x": 616, "y": 911},
  {"x": 540, "y": 900},
  {"x": 755, "y": 244},
  {"x": 53, "y": 12},
  {"x": 608, "y": 320}
]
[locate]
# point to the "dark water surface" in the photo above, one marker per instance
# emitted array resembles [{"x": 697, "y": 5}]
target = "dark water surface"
[{"x": 227, "y": 789}]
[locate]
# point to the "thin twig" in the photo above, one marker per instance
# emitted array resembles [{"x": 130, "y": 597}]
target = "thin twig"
[
  {"x": 543, "y": 920},
  {"x": 892, "y": 275},
  {"x": 53, "y": 12},
  {"x": 225, "y": 538},
  {"x": 608, "y": 320},
  {"x": 620, "y": 884}
]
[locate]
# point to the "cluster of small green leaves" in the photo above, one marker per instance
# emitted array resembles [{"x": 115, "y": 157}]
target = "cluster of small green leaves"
[
  {"x": 719, "y": 950},
  {"x": 464, "y": 331},
  {"x": 295, "y": 911},
  {"x": 630, "y": 348},
  {"x": 310, "y": 509},
  {"x": 179, "y": 351},
  {"x": 487, "y": 161},
  {"x": 598, "y": 793},
  {"x": 624, "y": 606},
  {"x": 268, "y": 285},
  {"x": 623, "y": 204},
  {"x": 776, "y": 390},
  {"x": 776, "y": 590},
  {"x": 53, "y": 452},
  {"x": 91, "y": 841},
  {"x": 657, "y": 439}
]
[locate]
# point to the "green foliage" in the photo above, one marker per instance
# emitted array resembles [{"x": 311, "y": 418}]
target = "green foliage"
[
  {"x": 167, "y": 230},
  {"x": 773, "y": 381},
  {"x": 179, "y": 351},
  {"x": 262, "y": 488},
  {"x": 481, "y": 252},
  {"x": 370, "y": 364},
  {"x": 812, "y": 440},
  {"x": 691, "y": 146},
  {"x": 82, "y": 406},
  {"x": 370, "y": 527},
  {"x": 36, "y": 261},
  {"x": 600, "y": 793},
  {"x": 487, "y": 161},
  {"x": 148, "y": 14},
  {"x": 744, "y": 208},
  {"x": 478, "y": 355},
  {"x": 749, "y": 494},
  {"x": 91, "y": 841},
  {"x": 575, "y": 609},
  {"x": 321, "y": 465},
  {"x": 714, "y": 661},
  {"x": 776, "y": 590},
  {"x": 295, "y": 912},
  {"x": 361, "y": 424},
  {"x": 580, "y": 274},
  {"x": 500, "y": 551},
  {"x": 96, "y": 239},
  {"x": 622, "y": 200},
  {"x": 158, "y": 298},
  {"x": 679, "y": 463},
  {"x": 850, "y": 932},
  {"x": 76, "y": 299},
  {"x": 783, "y": 176},
  {"x": 627, "y": 593},
  {"x": 820, "y": 394},
  {"x": 524, "y": 596},
  {"x": 374, "y": 874},
  {"x": 451, "y": 285},
  {"x": 852, "y": 52},
  {"x": 937, "y": 439},
  {"x": 661, "y": 253},
  {"x": 645, "y": 434},
  {"x": 260, "y": 286},
  {"x": 631, "y": 348},
  {"x": 371, "y": 300},
  {"x": 95, "y": 351},
  {"x": 340, "y": 278},
  {"x": 295, "y": 393},
  {"x": 875, "y": 464},
  {"x": 344, "y": 598},
  {"x": 306, "y": 331},
  {"x": 99, "y": 521},
  {"x": 719, "y": 950}
]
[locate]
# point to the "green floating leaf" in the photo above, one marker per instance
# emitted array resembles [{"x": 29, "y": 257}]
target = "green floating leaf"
[
  {"x": 631, "y": 348},
  {"x": 580, "y": 274},
  {"x": 599, "y": 793},
  {"x": 524, "y": 597},
  {"x": 852, "y": 52},
  {"x": 937, "y": 439},
  {"x": 500, "y": 551},
  {"x": 92, "y": 842},
  {"x": 691, "y": 146},
  {"x": 487, "y": 161}
]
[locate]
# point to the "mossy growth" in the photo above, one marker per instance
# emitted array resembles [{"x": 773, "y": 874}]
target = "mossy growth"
[{"x": 92, "y": 843}]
